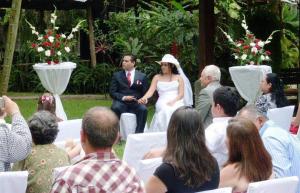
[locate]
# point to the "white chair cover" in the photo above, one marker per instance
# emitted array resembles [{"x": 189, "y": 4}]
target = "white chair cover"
[
  {"x": 247, "y": 80},
  {"x": 280, "y": 185},
  {"x": 56, "y": 171},
  {"x": 13, "y": 182},
  {"x": 282, "y": 116},
  {"x": 128, "y": 124},
  {"x": 69, "y": 129},
  {"x": 219, "y": 190},
  {"x": 137, "y": 145},
  {"x": 55, "y": 79},
  {"x": 147, "y": 167}
]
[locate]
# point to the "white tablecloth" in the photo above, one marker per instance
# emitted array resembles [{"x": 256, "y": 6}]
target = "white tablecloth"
[
  {"x": 55, "y": 79},
  {"x": 247, "y": 80}
]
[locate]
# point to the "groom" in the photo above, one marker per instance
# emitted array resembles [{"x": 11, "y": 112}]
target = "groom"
[{"x": 127, "y": 86}]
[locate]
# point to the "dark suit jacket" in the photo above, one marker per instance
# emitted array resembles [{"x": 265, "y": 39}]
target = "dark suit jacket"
[{"x": 119, "y": 85}]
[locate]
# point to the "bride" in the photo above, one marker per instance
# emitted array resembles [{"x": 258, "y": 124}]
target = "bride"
[{"x": 174, "y": 91}]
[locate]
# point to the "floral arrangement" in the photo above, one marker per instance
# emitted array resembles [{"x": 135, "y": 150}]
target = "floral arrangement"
[
  {"x": 249, "y": 50},
  {"x": 53, "y": 47}
]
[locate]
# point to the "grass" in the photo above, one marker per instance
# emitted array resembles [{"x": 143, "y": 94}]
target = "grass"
[{"x": 74, "y": 108}]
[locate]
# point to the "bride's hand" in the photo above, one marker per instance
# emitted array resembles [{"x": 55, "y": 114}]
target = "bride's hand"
[
  {"x": 171, "y": 103},
  {"x": 143, "y": 101}
]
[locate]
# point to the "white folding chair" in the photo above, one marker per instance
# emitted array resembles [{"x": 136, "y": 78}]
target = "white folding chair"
[
  {"x": 146, "y": 168},
  {"x": 13, "y": 182},
  {"x": 56, "y": 171},
  {"x": 69, "y": 129},
  {"x": 282, "y": 116},
  {"x": 219, "y": 190},
  {"x": 137, "y": 145},
  {"x": 128, "y": 124},
  {"x": 279, "y": 185}
]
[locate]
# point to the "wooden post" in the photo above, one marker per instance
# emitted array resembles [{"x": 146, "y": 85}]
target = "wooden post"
[
  {"x": 10, "y": 45},
  {"x": 91, "y": 36},
  {"x": 206, "y": 33}
]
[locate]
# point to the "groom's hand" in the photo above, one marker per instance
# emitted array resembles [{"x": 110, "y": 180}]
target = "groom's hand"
[{"x": 129, "y": 98}]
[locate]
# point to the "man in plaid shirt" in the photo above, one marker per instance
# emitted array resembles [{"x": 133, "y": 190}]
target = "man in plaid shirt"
[
  {"x": 15, "y": 142},
  {"x": 100, "y": 170}
]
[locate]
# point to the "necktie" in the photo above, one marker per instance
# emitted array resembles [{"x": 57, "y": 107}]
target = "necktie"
[{"x": 129, "y": 78}]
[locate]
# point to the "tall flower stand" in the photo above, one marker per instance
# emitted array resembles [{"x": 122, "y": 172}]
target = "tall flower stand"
[
  {"x": 247, "y": 80},
  {"x": 55, "y": 79}
]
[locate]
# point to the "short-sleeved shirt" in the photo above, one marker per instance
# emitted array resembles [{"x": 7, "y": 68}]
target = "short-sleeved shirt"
[
  {"x": 168, "y": 175},
  {"x": 40, "y": 164}
]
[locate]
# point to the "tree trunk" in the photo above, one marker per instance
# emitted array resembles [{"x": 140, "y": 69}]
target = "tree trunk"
[
  {"x": 91, "y": 36},
  {"x": 206, "y": 33},
  {"x": 10, "y": 45}
]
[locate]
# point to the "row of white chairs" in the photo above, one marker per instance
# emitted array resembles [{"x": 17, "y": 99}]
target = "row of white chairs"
[{"x": 16, "y": 182}]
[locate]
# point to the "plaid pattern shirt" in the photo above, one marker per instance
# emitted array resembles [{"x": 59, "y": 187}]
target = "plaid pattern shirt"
[
  {"x": 15, "y": 142},
  {"x": 100, "y": 172}
]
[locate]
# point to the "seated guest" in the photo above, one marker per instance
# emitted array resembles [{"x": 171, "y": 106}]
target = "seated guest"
[
  {"x": 44, "y": 156},
  {"x": 225, "y": 106},
  {"x": 187, "y": 164},
  {"x": 248, "y": 160},
  {"x": 273, "y": 93},
  {"x": 100, "y": 170},
  {"x": 15, "y": 142},
  {"x": 281, "y": 145},
  {"x": 47, "y": 102}
]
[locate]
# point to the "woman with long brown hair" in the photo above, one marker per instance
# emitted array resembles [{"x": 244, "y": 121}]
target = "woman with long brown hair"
[
  {"x": 187, "y": 164},
  {"x": 248, "y": 160}
]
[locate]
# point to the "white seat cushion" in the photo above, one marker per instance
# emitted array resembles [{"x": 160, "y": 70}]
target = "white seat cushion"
[{"x": 13, "y": 182}]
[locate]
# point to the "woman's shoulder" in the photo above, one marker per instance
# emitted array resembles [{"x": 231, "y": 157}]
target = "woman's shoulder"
[{"x": 230, "y": 171}]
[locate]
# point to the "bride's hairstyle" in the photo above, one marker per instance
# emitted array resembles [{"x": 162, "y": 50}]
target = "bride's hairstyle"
[
  {"x": 186, "y": 149},
  {"x": 173, "y": 68}
]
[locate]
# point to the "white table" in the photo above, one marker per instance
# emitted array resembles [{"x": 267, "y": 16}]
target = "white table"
[
  {"x": 247, "y": 80},
  {"x": 55, "y": 79}
]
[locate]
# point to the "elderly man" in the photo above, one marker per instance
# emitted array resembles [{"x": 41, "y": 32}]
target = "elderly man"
[
  {"x": 100, "y": 170},
  {"x": 15, "y": 143},
  {"x": 282, "y": 146},
  {"x": 210, "y": 81}
]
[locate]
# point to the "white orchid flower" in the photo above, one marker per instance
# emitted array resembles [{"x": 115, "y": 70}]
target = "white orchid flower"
[
  {"x": 251, "y": 63},
  {"x": 47, "y": 53},
  {"x": 33, "y": 31},
  {"x": 59, "y": 53},
  {"x": 254, "y": 50},
  {"x": 74, "y": 29},
  {"x": 267, "y": 58},
  {"x": 51, "y": 39},
  {"x": 252, "y": 44},
  {"x": 262, "y": 57},
  {"x": 40, "y": 37},
  {"x": 36, "y": 33},
  {"x": 260, "y": 44},
  {"x": 52, "y": 21},
  {"x": 56, "y": 28},
  {"x": 70, "y": 36},
  {"x": 63, "y": 36},
  {"x": 67, "y": 49},
  {"x": 236, "y": 57},
  {"x": 244, "y": 56},
  {"x": 40, "y": 49},
  {"x": 239, "y": 44}
]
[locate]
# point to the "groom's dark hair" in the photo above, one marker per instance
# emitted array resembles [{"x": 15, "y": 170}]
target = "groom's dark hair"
[{"x": 132, "y": 57}]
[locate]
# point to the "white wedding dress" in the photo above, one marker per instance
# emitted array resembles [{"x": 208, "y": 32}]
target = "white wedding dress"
[{"x": 167, "y": 91}]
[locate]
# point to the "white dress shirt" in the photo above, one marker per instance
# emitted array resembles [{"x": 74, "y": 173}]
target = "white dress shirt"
[{"x": 215, "y": 135}]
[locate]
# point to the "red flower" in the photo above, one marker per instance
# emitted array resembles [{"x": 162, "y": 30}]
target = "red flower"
[
  {"x": 257, "y": 47},
  {"x": 241, "y": 41},
  {"x": 250, "y": 36},
  {"x": 57, "y": 44},
  {"x": 49, "y": 62},
  {"x": 52, "y": 52},
  {"x": 47, "y": 44},
  {"x": 57, "y": 36},
  {"x": 33, "y": 45},
  {"x": 268, "y": 52},
  {"x": 49, "y": 32},
  {"x": 46, "y": 36},
  {"x": 56, "y": 61},
  {"x": 246, "y": 47}
]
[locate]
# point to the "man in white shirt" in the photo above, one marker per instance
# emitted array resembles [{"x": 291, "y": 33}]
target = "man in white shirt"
[{"x": 224, "y": 107}]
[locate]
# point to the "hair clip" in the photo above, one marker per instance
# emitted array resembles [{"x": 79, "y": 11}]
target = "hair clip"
[{"x": 46, "y": 98}]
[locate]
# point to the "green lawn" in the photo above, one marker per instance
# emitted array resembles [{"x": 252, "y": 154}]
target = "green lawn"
[{"x": 74, "y": 108}]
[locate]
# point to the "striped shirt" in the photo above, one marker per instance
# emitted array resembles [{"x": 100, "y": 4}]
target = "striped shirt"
[
  {"x": 15, "y": 143},
  {"x": 284, "y": 150}
]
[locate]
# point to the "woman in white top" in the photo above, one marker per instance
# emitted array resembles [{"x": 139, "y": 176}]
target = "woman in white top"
[{"x": 171, "y": 90}]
